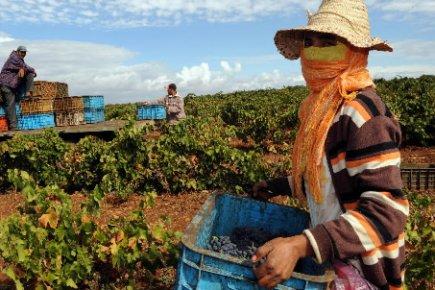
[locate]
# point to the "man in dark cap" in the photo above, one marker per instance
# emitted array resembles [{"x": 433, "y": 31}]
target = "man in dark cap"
[{"x": 16, "y": 82}]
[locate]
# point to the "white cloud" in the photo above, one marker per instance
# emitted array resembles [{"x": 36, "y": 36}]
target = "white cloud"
[
  {"x": 200, "y": 73},
  {"x": 412, "y": 12},
  {"x": 415, "y": 49},
  {"x": 227, "y": 67},
  {"x": 389, "y": 72},
  {"x": 408, "y": 6},
  {"x": 274, "y": 79},
  {"x": 5, "y": 37},
  {"x": 137, "y": 13}
]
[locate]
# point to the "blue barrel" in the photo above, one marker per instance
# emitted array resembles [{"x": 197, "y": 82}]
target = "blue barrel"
[
  {"x": 151, "y": 112},
  {"x": 93, "y": 109},
  {"x": 200, "y": 268},
  {"x": 35, "y": 121},
  {"x": 2, "y": 111}
]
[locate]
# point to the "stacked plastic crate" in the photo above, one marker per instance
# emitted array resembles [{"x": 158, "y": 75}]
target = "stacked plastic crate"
[
  {"x": 151, "y": 112},
  {"x": 51, "y": 105},
  {"x": 69, "y": 111},
  {"x": 35, "y": 113},
  {"x": 94, "y": 109}
]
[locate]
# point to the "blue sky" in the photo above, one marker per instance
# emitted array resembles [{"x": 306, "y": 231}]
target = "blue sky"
[{"x": 129, "y": 50}]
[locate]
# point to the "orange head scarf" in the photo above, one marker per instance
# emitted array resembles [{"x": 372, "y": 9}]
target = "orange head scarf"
[{"x": 330, "y": 82}]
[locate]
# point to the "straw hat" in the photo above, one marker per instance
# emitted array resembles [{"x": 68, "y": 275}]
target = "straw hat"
[{"x": 348, "y": 19}]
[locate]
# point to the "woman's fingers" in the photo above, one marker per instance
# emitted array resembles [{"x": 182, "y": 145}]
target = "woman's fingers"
[
  {"x": 269, "y": 281},
  {"x": 281, "y": 256},
  {"x": 262, "y": 252}
]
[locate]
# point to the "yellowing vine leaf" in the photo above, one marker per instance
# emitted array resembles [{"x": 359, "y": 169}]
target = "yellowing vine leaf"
[
  {"x": 158, "y": 232},
  {"x": 119, "y": 236},
  {"x": 114, "y": 248},
  {"x": 70, "y": 283},
  {"x": 49, "y": 219},
  {"x": 104, "y": 249},
  {"x": 86, "y": 219},
  {"x": 132, "y": 242}
]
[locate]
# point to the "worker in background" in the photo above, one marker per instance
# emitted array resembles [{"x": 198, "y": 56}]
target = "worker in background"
[
  {"x": 173, "y": 103},
  {"x": 16, "y": 82}
]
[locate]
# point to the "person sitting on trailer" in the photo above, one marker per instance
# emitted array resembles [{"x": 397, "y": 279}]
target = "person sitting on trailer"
[
  {"x": 16, "y": 82},
  {"x": 345, "y": 161},
  {"x": 173, "y": 103}
]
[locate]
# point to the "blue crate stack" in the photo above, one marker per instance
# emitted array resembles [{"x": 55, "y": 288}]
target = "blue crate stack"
[
  {"x": 151, "y": 112},
  {"x": 200, "y": 268},
  {"x": 34, "y": 121},
  {"x": 94, "y": 109}
]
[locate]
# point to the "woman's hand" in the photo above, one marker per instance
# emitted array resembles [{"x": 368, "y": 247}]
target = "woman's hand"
[{"x": 281, "y": 256}]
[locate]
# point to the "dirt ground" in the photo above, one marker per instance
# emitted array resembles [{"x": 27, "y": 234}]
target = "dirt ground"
[{"x": 179, "y": 208}]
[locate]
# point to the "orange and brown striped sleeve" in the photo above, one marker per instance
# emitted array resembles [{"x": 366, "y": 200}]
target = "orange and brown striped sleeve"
[{"x": 373, "y": 227}]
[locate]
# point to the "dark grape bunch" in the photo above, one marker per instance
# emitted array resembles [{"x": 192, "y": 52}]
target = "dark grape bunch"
[{"x": 242, "y": 243}]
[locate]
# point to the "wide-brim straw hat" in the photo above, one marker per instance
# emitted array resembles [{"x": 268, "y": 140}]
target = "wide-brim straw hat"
[{"x": 347, "y": 19}]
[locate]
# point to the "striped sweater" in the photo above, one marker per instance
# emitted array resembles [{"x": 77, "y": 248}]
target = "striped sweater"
[{"x": 362, "y": 151}]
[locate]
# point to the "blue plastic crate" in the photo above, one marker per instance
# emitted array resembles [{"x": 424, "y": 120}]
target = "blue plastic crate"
[
  {"x": 93, "y": 102},
  {"x": 94, "y": 116},
  {"x": 200, "y": 268},
  {"x": 35, "y": 121},
  {"x": 151, "y": 112}
]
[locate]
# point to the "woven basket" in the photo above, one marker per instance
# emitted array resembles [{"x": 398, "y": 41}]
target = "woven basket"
[
  {"x": 50, "y": 90},
  {"x": 3, "y": 124},
  {"x": 69, "y": 104},
  {"x": 36, "y": 106},
  {"x": 64, "y": 119}
]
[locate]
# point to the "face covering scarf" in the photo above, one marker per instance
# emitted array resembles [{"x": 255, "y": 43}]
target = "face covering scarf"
[{"x": 333, "y": 74}]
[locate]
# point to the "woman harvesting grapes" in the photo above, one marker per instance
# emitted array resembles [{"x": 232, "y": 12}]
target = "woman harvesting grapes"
[{"x": 346, "y": 159}]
